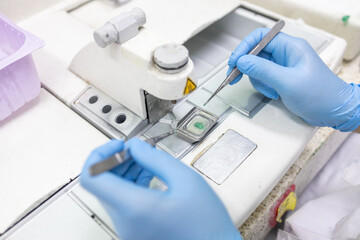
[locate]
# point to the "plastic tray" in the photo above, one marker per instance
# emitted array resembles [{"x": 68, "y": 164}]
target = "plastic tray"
[{"x": 19, "y": 81}]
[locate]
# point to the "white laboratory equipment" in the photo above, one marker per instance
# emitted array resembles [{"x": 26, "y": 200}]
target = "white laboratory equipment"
[{"x": 143, "y": 86}]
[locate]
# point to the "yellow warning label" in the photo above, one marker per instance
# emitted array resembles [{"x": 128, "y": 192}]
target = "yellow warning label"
[
  {"x": 190, "y": 86},
  {"x": 289, "y": 203}
]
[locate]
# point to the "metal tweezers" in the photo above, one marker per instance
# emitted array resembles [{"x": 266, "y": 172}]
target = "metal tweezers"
[
  {"x": 123, "y": 156},
  {"x": 255, "y": 51}
]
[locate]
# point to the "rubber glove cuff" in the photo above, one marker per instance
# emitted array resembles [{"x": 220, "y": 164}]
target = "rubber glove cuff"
[
  {"x": 352, "y": 124},
  {"x": 354, "y": 121}
]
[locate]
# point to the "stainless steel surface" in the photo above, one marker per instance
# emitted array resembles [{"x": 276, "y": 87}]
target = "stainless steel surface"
[
  {"x": 224, "y": 156},
  {"x": 174, "y": 145},
  {"x": 156, "y": 108},
  {"x": 256, "y": 50},
  {"x": 181, "y": 142},
  {"x": 152, "y": 141},
  {"x": 187, "y": 128},
  {"x": 123, "y": 156},
  {"x": 106, "y": 122}
]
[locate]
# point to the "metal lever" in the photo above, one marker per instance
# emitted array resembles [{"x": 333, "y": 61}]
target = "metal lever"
[{"x": 255, "y": 51}]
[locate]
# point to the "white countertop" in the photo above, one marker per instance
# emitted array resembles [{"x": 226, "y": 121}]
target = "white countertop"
[{"x": 43, "y": 146}]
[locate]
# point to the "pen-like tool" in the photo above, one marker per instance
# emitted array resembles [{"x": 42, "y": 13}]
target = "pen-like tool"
[
  {"x": 121, "y": 157},
  {"x": 255, "y": 51}
]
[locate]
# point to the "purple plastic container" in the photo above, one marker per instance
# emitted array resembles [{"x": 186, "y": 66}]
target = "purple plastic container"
[{"x": 19, "y": 81}]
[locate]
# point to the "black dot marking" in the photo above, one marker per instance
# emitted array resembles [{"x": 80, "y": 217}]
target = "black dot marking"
[
  {"x": 93, "y": 99},
  {"x": 120, "y": 118},
  {"x": 106, "y": 109}
]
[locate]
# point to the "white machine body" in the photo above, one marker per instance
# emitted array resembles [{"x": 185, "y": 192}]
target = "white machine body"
[
  {"x": 125, "y": 71},
  {"x": 71, "y": 61},
  {"x": 341, "y": 18}
]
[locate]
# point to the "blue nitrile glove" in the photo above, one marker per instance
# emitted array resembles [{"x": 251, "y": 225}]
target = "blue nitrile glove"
[
  {"x": 288, "y": 67},
  {"x": 189, "y": 209}
]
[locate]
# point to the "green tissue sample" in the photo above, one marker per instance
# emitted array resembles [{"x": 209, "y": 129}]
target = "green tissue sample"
[
  {"x": 199, "y": 125},
  {"x": 345, "y": 19}
]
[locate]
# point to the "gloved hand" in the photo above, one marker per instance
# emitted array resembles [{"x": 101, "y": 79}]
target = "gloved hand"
[
  {"x": 288, "y": 67},
  {"x": 189, "y": 209}
]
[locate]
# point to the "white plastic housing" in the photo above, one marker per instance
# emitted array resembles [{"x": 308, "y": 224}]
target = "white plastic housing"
[{"x": 341, "y": 18}]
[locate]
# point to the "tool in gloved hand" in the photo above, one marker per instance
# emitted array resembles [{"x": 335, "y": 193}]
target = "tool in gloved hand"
[
  {"x": 290, "y": 69},
  {"x": 131, "y": 205},
  {"x": 122, "y": 156},
  {"x": 255, "y": 51}
]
